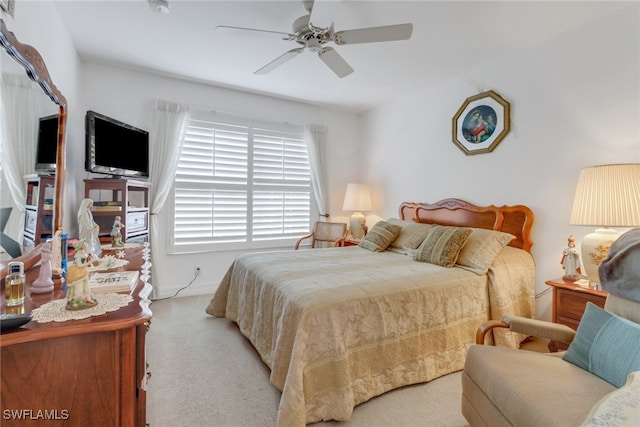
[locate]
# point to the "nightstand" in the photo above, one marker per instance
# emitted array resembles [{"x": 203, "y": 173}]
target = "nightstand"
[
  {"x": 569, "y": 301},
  {"x": 351, "y": 242}
]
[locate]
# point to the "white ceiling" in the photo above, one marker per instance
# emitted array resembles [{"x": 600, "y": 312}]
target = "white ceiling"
[{"x": 449, "y": 37}]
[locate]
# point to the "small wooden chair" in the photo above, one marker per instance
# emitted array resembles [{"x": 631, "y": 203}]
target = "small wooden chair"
[{"x": 328, "y": 232}]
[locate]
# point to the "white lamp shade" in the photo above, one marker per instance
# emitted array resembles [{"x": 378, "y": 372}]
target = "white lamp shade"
[
  {"x": 606, "y": 196},
  {"x": 357, "y": 198}
]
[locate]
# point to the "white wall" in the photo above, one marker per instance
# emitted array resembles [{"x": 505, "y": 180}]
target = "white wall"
[
  {"x": 126, "y": 95},
  {"x": 575, "y": 102}
]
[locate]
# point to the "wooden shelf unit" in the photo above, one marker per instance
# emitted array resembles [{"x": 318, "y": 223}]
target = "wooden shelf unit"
[
  {"x": 38, "y": 219},
  {"x": 127, "y": 198}
]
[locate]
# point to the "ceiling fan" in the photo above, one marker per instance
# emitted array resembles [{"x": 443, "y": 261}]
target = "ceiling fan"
[{"x": 315, "y": 29}]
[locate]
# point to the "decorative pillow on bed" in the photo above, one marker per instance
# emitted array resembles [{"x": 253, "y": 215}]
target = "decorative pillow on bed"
[
  {"x": 481, "y": 249},
  {"x": 410, "y": 237},
  {"x": 380, "y": 236},
  {"x": 442, "y": 245}
]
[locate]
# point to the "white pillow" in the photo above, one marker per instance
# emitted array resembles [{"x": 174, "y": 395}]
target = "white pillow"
[
  {"x": 410, "y": 237},
  {"x": 619, "y": 408},
  {"x": 481, "y": 249}
]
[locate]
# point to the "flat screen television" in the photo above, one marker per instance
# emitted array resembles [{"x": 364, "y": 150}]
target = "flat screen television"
[
  {"x": 47, "y": 144},
  {"x": 115, "y": 148}
]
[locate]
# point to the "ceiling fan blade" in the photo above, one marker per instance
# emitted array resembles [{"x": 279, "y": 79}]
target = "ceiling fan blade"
[
  {"x": 289, "y": 36},
  {"x": 334, "y": 61},
  {"x": 374, "y": 34},
  {"x": 322, "y": 14},
  {"x": 279, "y": 61}
]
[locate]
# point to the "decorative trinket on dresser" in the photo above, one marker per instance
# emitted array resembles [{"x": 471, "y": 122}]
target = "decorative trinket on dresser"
[
  {"x": 78, "y": 291},
  {"x": 116, "y": 233},
  {"x": 56, "y": 254},
  {"x": 88, "y": 230},
  {"x": 571, "y": 260},
  {"x": 44, "y": 282}
]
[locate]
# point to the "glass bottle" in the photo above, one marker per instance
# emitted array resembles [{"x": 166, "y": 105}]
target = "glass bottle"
[{"x": 14, "y": 284}]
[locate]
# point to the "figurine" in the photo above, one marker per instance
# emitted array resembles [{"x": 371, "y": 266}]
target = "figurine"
[
  {"x": 78, "y": 291},
  {"x": 44, "y": 282},
  {"x": 116, "y": 233},
  {"x": 88, "y": 230},
  {"x": 57, "y": 254},
  {"x": 571, "y": 260}
]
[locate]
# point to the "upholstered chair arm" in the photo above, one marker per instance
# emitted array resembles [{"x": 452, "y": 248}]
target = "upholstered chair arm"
[
  {"x": 301, "y": 239},
  {"x": 540, "y": 328},
  {"x": 531, "y": 327}
]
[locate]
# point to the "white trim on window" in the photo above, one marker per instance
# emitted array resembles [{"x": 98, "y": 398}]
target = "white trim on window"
[{"x": 240, "y": 184}]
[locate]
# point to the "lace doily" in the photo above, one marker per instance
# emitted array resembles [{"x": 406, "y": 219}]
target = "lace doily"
[{"x": 55, "y": 311}]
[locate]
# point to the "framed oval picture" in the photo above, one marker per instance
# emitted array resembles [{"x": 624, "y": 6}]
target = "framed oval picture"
[{"x": 481, "y": 123}]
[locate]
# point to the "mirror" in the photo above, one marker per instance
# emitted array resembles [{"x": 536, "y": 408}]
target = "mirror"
[{"x": 29, "y": 61}]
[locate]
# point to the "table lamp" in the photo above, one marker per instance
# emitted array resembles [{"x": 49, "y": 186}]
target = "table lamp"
[
  {"x": 357, "y": 199},
  {"x": 606, "y": 196}
]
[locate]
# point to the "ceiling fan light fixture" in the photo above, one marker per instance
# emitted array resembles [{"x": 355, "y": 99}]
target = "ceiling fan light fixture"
[
  {"x": 159, "y": 6},
  {"x": 315, "y": 37}
]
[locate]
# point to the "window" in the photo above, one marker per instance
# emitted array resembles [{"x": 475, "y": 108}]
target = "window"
[{"x": 240, "y": 185}]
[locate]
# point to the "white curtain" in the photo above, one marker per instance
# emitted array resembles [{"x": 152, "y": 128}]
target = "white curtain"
[
  {"x": 168, "y": 126},
  {"x": 316, "y": 136},
  {"x": 19, "y": 98}
]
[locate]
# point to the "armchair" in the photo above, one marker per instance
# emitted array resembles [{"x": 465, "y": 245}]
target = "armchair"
[
  {"x": 509, "y": 387},
  {"x": 333, "y": 233}
]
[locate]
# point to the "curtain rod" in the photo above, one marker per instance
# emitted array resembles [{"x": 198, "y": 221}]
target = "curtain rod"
[{"x": 242, "y": 115}]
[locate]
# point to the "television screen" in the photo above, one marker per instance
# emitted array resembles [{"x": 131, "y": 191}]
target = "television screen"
[
  {"x": 115, "y": 148},
  {"x": 47, "y": 144}
]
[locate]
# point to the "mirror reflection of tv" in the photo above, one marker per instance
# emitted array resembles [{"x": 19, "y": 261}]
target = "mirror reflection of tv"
[
  {"x": 115, "y": 148},
  {"x": 47, "y": 144}
]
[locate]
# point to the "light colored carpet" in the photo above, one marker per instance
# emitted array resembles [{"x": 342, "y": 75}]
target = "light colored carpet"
[{"x": 205, "y": 373}]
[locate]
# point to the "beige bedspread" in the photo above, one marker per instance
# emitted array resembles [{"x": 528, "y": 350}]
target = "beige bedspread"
[{"x": 340, "y": 326}]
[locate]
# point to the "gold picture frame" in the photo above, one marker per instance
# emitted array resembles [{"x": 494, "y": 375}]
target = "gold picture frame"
[
  {"x": 481, "y": 123},
  {"x": 8, "y": 6}
]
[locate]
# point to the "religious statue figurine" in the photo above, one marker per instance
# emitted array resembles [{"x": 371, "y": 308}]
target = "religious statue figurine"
[
  {"x": 78, "y": 291},
  {"x": 44, "y": 282},
  {"x": 571, "y": 260},
  {"x": 88, "y": 230},
  {"x": 116, "y": 233}
]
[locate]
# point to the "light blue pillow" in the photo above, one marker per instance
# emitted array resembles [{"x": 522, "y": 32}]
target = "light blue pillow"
[
  {"x": 592, "y": 320},
  {"x": 606, "y": 345},
  {"x": 615, "y": 352}
]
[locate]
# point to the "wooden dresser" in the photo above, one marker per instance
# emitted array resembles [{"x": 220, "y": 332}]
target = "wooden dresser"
[
  {"x": 89, "y": 372},
  {"x": 569, "y": 301}
]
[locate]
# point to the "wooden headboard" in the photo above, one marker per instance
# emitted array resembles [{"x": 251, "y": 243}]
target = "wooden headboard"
[{"x": 516, "y": 220}]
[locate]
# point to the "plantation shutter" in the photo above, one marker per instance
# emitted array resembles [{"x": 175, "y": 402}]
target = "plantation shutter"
[
  {"x": 240, "y": 184},
  {"x": 281, "y": 183}
]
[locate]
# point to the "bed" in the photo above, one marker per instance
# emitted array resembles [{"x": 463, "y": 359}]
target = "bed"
[{"x": 339, "y": 326}]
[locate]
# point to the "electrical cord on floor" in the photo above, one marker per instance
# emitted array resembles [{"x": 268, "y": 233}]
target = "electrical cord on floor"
[{"x": 182, "y": 288}]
